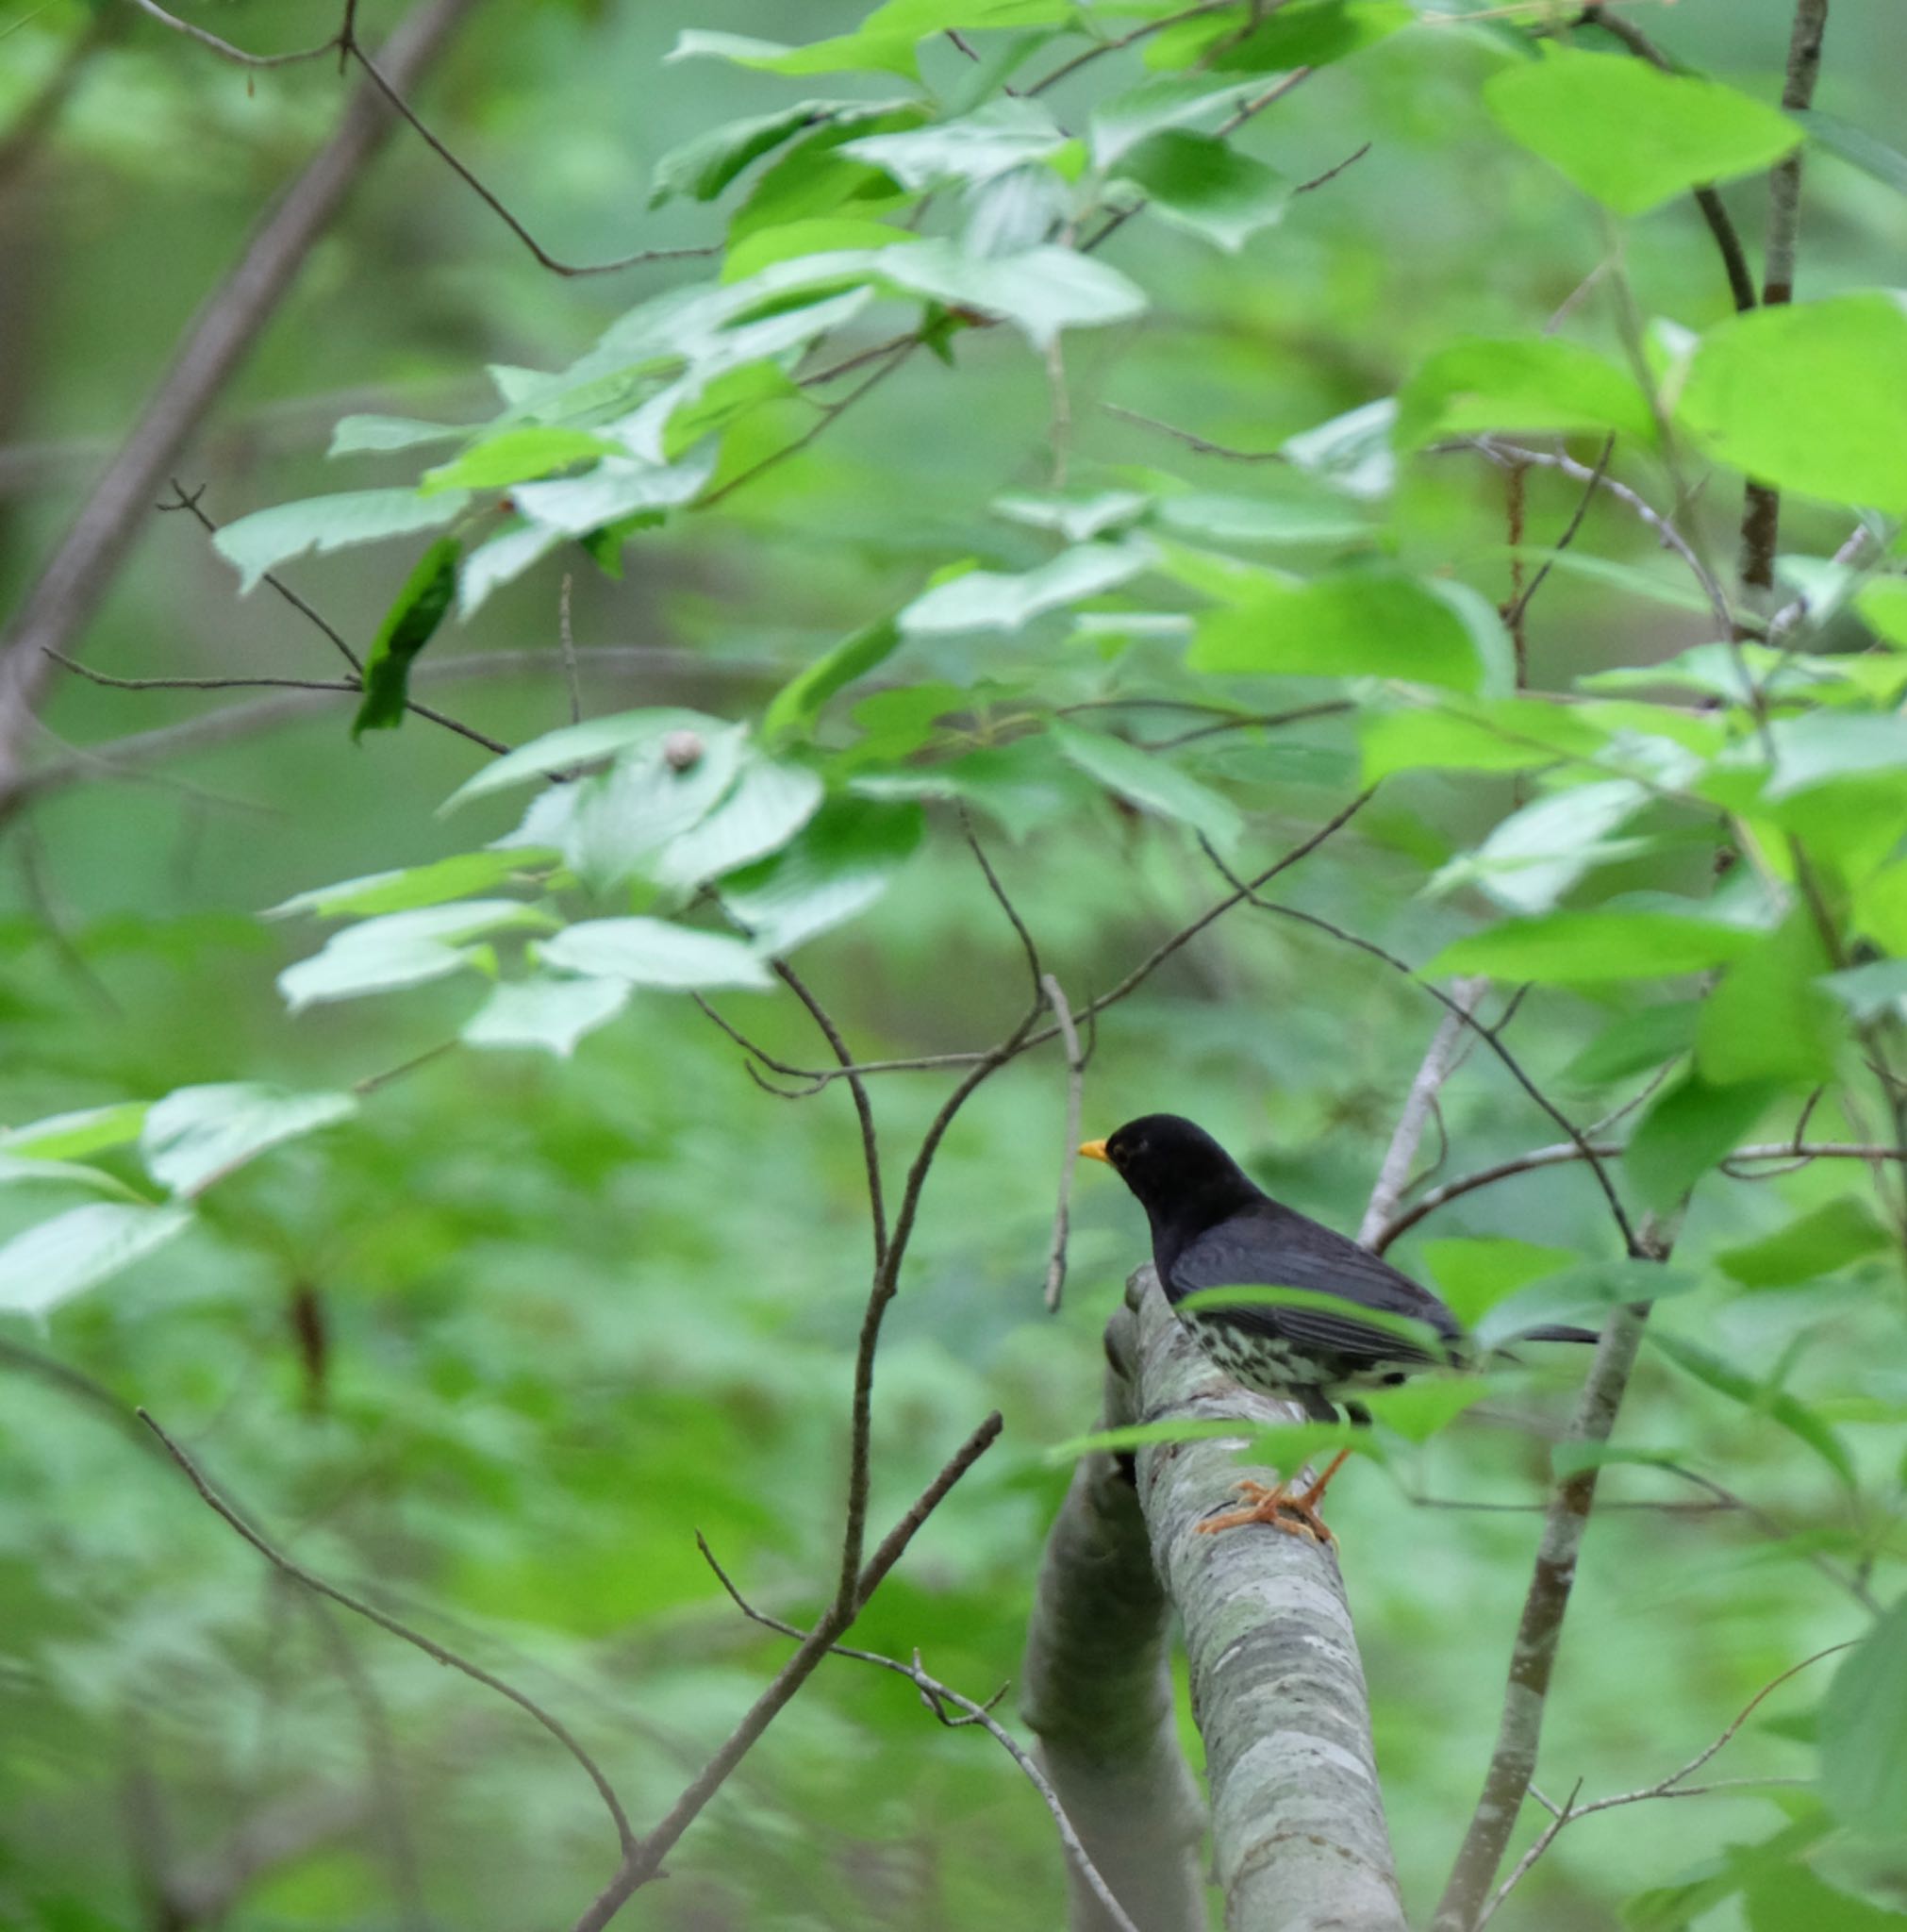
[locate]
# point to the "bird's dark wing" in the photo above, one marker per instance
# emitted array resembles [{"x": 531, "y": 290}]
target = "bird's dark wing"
[{"x": 1273, "y": 1247}]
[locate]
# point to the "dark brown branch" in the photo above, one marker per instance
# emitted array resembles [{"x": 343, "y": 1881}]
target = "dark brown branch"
[
  {"x": 1762, "y": 504},
  {"x": 431, "y": 1649},
  {"x": 77, "y": 577}
]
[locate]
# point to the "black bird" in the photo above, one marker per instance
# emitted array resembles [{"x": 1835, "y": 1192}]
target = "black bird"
[{"x": 1213, "y": 1228}]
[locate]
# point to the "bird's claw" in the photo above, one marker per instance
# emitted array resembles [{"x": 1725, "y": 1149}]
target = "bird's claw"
[{"x": 1276, "y": 1506}]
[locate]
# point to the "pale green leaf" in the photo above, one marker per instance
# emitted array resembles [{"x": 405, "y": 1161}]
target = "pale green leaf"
[
  {"x": 652, "y": 951},
  {"x": 400, "y": 949},
  {"x": 1006, "y": 134},
  {"x": 198, "y": 1135},
  {"x": 1812, "y": 1244},
  {"x": 91, "y": 1130},
  {"x": 1151, "y": 781},
  {"x": 357, "y": 433},
  {"x": 1629, "y": 134},
  {"x": 845, "y": 858},
  {"x": 1579, "y": 948},
  {"x": 401, "y": 892},
  {"x": 259, "y": 542},
  {"x": 988, "y": 600},
  {"x": 769, "y": 805},
  {"x": 1519, "y": 385},
  {"x": 546, "y": 1012},
  {"x": 60, "y": 1258},
  {"x": 581, "y": 744}
]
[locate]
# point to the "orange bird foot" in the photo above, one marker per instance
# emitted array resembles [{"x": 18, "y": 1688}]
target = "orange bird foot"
[{"x": 1280, "y": 1509}]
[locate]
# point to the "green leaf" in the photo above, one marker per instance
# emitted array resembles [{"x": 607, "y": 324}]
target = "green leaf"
[
  {"x": 1350, "y": 454},
  {"x": 356, "y": 433},
  {"x": 17, "y": 1170},
  {"x": 1535, "y": 856},
  {"x": 1687, "y": 1130},
  {"x": 399, "y": 949},
  {"x": 1474, "y": 1274},
  {"x": 618, "y": 487},
  {"x": 1808, "y": 396},
  {"x": 91, "y": 1130},
  {"x": 1856, "y": 146},
  {"x": 1303, "y": 33},
  {"x": 546, "y": 1012},
  {"x": 1520, "y": 385},
  {"x": 793, "y": 709},
  {"x": 402, "y": 892},
  {"x": 268, "y": 538},
  {"x": 60, "y": 1258},
  {"x": 198, "y": 1135},
  {"x": 1869, "y": 991},
  {"x": 1864, "y": 1733},
  {"x": 651, "y": 951},
  {"x": 611, "y": 826},
  {"x": 1122, "y": 121},
  {"x": 1426, "y": 1408},
  {"x": 1726, "y": 1379},
  {"x": 768, "y": 805},
  {"x": 1767, "y": 1019},
  {"x": 1637, "y": 1042},
  {"x": 581, "y": 744},
  {"x": 1150, "y": 781},
  {"x": 1796, "y": 1898},
  {"x": 1812, "y": 1244},
  {"x": 516, "y": 456},
  {"x": 1041, "y": 290},
  {"x": 703, "y": 167},
  {"x": 1882, "y": 605},
  {"x": 500, "y": 561},
  {"x": 889, "y": 52},
  {"x": 1006, "y": 133},
  {"x": 845, "y": 858},
  {"x": 1581, "y": 1295},
  {"x": 821, "y": 235},
  {"x": 1207, "y": 515},
  {"x": 1362, "y": 624},
  {"x": 1503, "y": 734},
  {"x": 1581, "y": 948},
  {"x": 1199, "y": 183},
  {"x": 409, "y": 625},
  {"x": 988, "y": 600},
  {"x": 1629, "y": 134}
]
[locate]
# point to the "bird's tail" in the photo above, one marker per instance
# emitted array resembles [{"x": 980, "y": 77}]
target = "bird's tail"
[{"x": 1558, "y": 1331}]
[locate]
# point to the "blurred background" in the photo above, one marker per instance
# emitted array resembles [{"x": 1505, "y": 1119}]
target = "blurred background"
[{"x": 504, "y": 1342}]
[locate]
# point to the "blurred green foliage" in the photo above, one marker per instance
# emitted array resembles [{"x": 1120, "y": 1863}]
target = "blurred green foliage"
[{"x": 492, "y": 1339}]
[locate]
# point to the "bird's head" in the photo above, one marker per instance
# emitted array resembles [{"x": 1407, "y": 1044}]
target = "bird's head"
[{"x": 1180, "y": 1174}]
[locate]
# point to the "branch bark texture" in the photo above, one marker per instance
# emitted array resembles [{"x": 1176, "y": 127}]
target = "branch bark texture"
[
  {"x": 81, "y": 570},
  {"x": 1299, "y": 1837}
]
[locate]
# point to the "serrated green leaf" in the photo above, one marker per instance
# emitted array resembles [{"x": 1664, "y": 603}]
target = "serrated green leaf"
[
  {"x": 52, "y": 1262},
  {"x": 1199, "y": 184},
  {"x": 546, "y": 1012},
  {"x": 1629, "y": 134},
  {"x": 259, "y": 542},
  {"x": 407, "y": 628},
  {"x": 1519, "y": 385},
  {"x": 1807, "y": 395},
  {"x": 1006, "y": 133},
  {"x": 652, "y": 951},
  {"x": 768, "y": 805},
  {"x": 198, "y": 1135},
  {"x": 618, "y": 487}
]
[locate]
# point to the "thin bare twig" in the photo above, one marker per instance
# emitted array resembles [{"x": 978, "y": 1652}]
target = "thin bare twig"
[
  {"x": 1068, "y": 1158},
  {"x": 566, "y": 636},
  {"x": 237, "y": 56},
  {"x": 1203, "y": 445},
  {"x": 1673, "y": 1786},
  {"x": 1438, "y": 1061},
  {"x": 937, "y": 1696},
  {"x": 544, "y": 258},
  {"x": 1514, "y": 616}
]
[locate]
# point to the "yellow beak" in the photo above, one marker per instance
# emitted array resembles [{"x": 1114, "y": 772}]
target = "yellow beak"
[{"x": 1095, "y": 1150}]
